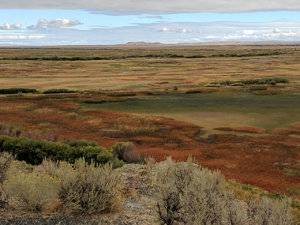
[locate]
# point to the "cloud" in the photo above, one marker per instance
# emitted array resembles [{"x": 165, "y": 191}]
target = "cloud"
[
  {"x": 10, "y": 37},
  {"x": 155, "y": 6},
  {"x": 13, "y": 26},
  {"x": 57, "y": 23},
  {"x": 163, "y": 32}
]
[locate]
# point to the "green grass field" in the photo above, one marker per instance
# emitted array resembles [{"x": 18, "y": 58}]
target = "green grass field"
[{"x": 217, "y": 109}]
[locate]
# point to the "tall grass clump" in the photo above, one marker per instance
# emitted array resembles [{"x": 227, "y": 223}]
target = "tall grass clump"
[{"x": 190, "y": 194}]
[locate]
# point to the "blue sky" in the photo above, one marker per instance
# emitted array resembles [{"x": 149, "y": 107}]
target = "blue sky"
[
  {"x": 91, "y": 20},
  {"x": 49, "y": 26}
]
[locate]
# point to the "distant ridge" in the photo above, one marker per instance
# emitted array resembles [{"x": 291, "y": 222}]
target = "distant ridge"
[
  {"x": 159, "y": 44},
  {"x": 139, "y": 43},
  {"x": 142, "y": 43}
]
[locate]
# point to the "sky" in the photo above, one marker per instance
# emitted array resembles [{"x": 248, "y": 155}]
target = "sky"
[{"x": 103, "y": 22}]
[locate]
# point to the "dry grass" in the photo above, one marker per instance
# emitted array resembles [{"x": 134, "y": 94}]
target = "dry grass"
[{"x": 147, "y": 73}]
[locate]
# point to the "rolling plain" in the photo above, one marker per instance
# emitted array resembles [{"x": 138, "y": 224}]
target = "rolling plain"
[{"x": 232, "y": 108}]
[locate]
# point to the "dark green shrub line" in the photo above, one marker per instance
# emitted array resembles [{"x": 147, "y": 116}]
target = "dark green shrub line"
[
  {"x": 10, "y": 91},
  {"x": 250, "y": 54},
  {"x": 58, "y": 91},
  {"x": 261, "y": 81},
  {"x": 166, "y": 55},
  {"x": 17, "y": 90},
  {"x": 34, "y": 152}
]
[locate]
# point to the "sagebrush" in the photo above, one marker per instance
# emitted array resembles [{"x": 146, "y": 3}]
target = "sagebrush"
[
  {"x": 79, "y": 188},
  {"x": 30, "y": 190},
  {"x": 190, "y": 194}
]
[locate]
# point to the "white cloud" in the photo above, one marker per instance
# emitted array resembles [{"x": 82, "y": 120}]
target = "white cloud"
[
  {"x": 12, "y": 26},
  {"x": 57, "y": 23},
  {"x": 248, "y": 32},
  {"x": 159, "y": 32},
  {"x": 16, "y": 37},
  {"x": 276, "y": 30},
  {"x": 156, "y": 6}
]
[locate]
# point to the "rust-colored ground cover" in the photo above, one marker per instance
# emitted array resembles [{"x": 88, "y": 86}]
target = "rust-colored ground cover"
[{"x": 270, "y": 161}]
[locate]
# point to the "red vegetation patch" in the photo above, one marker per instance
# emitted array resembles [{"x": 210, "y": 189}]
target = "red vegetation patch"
[{"x": 267, "y": 161}]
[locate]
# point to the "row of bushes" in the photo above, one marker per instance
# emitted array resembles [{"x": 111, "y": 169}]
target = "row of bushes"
[
  {"x": 261, "y": 81},
  {"x": 58, "y": 91},
  {"x": 10, "y": 91},
  {"x": 157, "y": 55},
  {"x": 184, "y": 193},
  {"x": 33, "y": 151},
  {"x": 86, "y": 58},
  {"x": 17, "y": 90}
]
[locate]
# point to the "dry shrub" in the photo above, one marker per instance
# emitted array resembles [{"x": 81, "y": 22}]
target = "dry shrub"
[
  {"x": 125, "y": 151},
  {"x": 3, "y": 198},
  {"x": 190, "y": 194},
  {"x": 30, "y": 190},
  {"x": 10, "y": 130},
  {"x": 5, "y": 160},
  {"x": 89, "y": 189},
  {"x": 270, "y": 212},
  {"x": 80, "y": 188}
]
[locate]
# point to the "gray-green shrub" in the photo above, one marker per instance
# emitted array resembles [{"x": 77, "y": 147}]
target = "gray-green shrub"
[
  {"x": 29, "y": 190},
  {"x": 5, "y": 161},
  {"x": 89, "y": 189},
  {"x": 190, "y": 194},
  {"x": 79, "y": 188}
]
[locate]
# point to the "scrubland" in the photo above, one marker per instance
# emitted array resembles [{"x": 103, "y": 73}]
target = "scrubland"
[
  {"x": 85, "y": 134},
  {"x": 178, "y": 193}
]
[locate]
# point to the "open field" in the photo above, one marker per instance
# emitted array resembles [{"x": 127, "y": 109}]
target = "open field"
[
  {"x": 151, "y": 69},
  {"x": 233, "y": 108},
  {"x": 216, "y": 109},
  {"x": 265, "y": 158}
]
